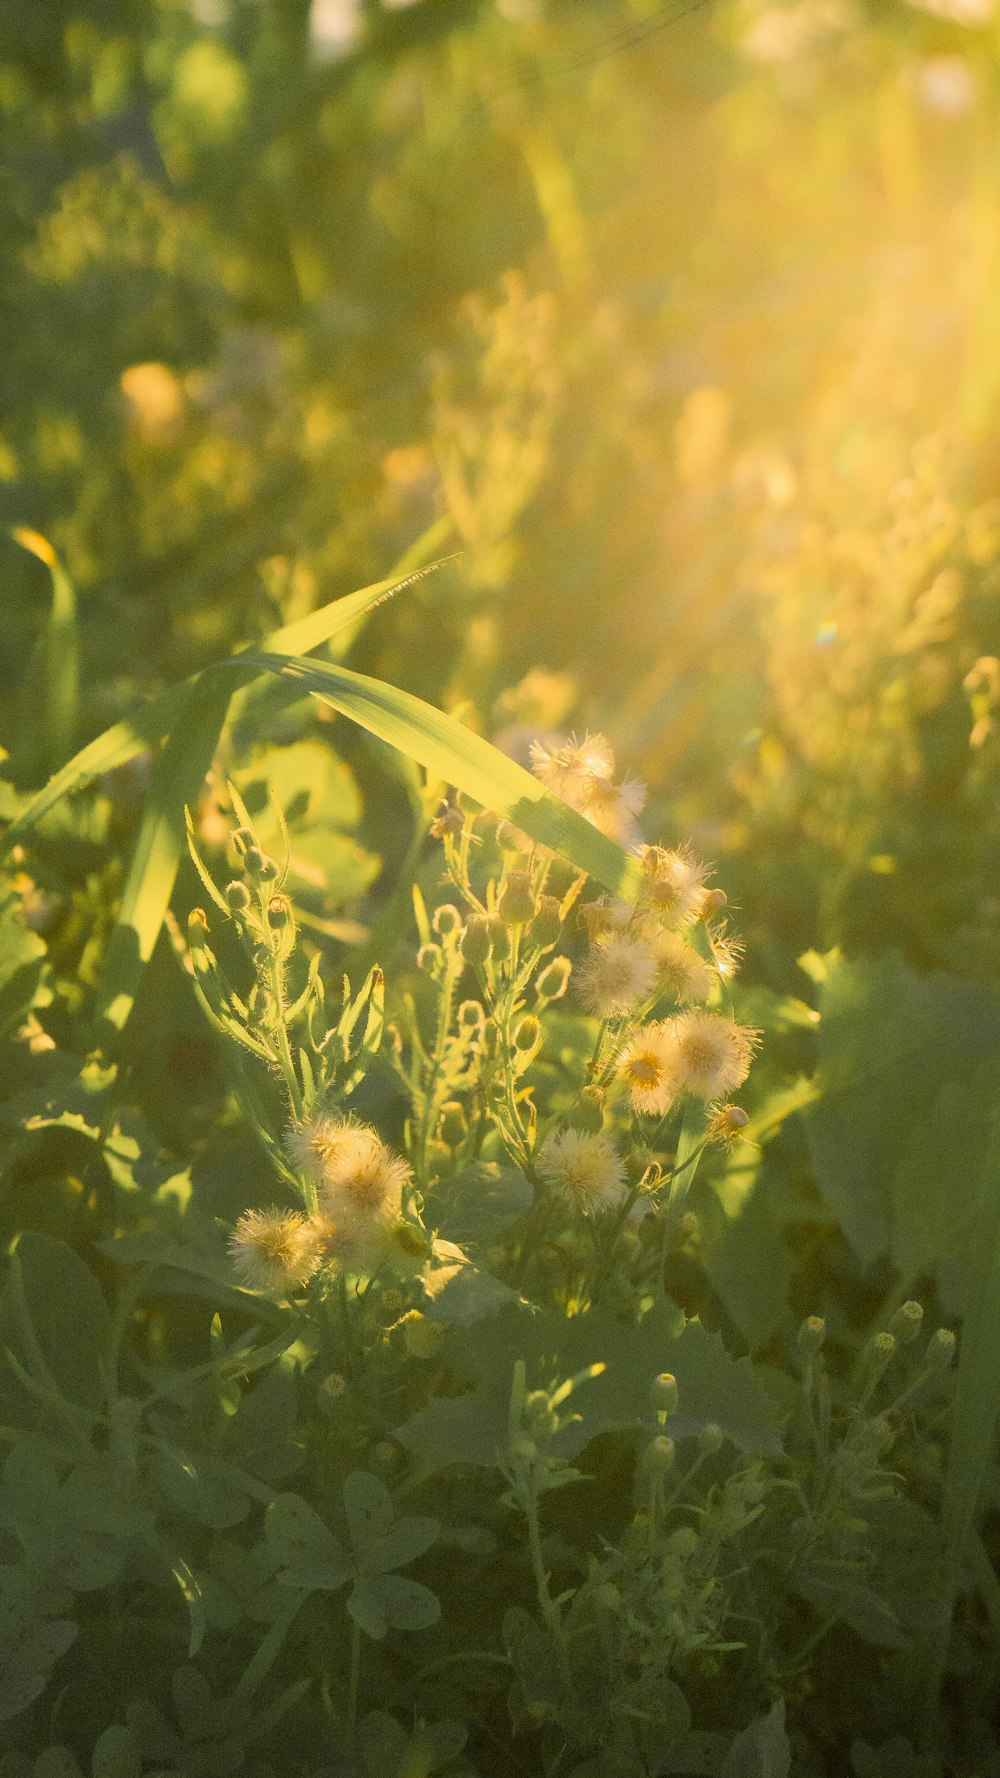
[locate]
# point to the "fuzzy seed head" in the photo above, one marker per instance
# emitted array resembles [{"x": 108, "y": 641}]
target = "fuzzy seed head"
[
  {"x": 584, "y": 1169},
  {"x": 726, "y": 1124},
  {"x": 712, "y": 1055},
  {"x": 680, "y": 970},
  {"x": 274, "y": 1250},
  {"x": 357, "y": 1177},
  {"x": 618, "y": 975},
  {"x": 675, "y": 884}
]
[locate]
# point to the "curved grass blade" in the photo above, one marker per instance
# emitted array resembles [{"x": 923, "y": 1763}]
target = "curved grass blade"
[
  {"x": 61, "y": 652},
  {"x": 458, "y": 756},
  {"x": 148, "y": 724}
]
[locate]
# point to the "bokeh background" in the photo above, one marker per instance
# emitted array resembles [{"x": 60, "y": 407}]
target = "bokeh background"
[{"x": 683, "y": 320}]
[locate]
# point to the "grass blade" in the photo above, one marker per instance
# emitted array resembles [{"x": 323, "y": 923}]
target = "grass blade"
[
  {"x": 61, "y": 653},
  {"x": 460, "y": 757}
]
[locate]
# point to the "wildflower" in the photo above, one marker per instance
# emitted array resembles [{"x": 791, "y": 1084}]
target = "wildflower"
[
  {"x": 686, "y": 975},
  {"x": 612, "y": 809},
  {"x": 711, "y": 1055},
  {"x": 648, "y": 1066},
  {"x": 620, "y": 972},
  {"x": 274, "y": 1249},
  {"x": 573, "y": 769},
  {"x": 727, "y": 951},
  {"x": 583, "y": 1169},
  {"x": 603, "y": 916},
  {"x": 675, "y": 884},
  {"x": 354, "y": 1172}
]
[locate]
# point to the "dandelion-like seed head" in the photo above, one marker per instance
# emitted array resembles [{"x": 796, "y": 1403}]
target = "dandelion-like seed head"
[
  {"x": 572, "y": 769},
  {"x": 363, "y": 1180},
  {"x": 712, "y": 1055},
  {"x": 612, "y": 809},
  {"x": 584, "y": 1169},
  {"x": 726, "y": 1124},
  {"x": 680, "y": 969},
  {"x": 648, "y": 1065},
  {"x": 674, "y": 885},
  {"x": 618, "y": 975},
  {"x": 274, "y": 1250}
]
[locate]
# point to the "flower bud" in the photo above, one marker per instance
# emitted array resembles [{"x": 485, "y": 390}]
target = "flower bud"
[
  {"x": 547, "y": 923},
  {"x": 243, "y": 840},
  {"x": 811, "y": 1335},
  {"x": 663, "y": 1395},
  {"x": 710, "y": 1439},
  {"x": 391, "y": 1304},
  {"x": 447, "y": 921},
  {"x": 268, "y": 870},
  {"x": 659, "y": 1455},
  {"x": 449, "y": 824},
  {"x": 683, "y": 1542},
  {"x": 587, "y": 1114},
  {"x": 517, "y": 903},
  {"x": 476, "y": 942},
  {"x": 941, "y": 1349},
  {"x": 875, "y": 1359},
  {"x": 238, "y": 897},
  {"x": 527, "y": 1033},
  {"x": 906, "y": 1322},
  {"x": 430, "y": 959},
  {"x": 454, "y": 1125},
  {"x": 279, "y": 913},
  {"x": 550, "y": 984},
  {"x": 420, "y": 1336},
  {"x": 714, "y": 902},
  {"x": 471, "y": 1019}
]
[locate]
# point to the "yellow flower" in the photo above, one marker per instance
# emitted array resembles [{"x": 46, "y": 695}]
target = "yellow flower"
[
  {"x": 647, "y": 1065},
  {"x": 274, "y": 1250},
  {"x": 583, "y": 1169}
]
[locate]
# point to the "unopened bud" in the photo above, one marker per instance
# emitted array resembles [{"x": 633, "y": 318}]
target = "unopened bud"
[
  {"x": 242, "y": 840},
  {"x": 471, "y": 1018},
  {"x": 476, "y": 942},
  {"x": 511, "y": 839},
  {"x": 430, "y": 959},
  {"x": 906, "y": 1322},
  {"x": 663, "y": 1395},
  {"x": 811, "y": 1335},
  {"x": 683, "y": 1542},
  {"x": 876, "y": 1358},
  {"x": 517, "y": 903},
  {"x": 454, "y": 1124},
  {"x": 254, "y": 859},
  {"x": 728, "y": 1123},
  {"x": 710, "y": 1439},
  {"x": 550, "y": 984},
  {"x": 447, "y": 921},
  {"x": 449, "y": 824},
  {"x": 714, "y": 902},
  {"x": 279, "y": 912},
  {"x": 660, "y": 1454},
  {"x": 527, "y": 1034},
  {"x": 238, "y": 897},
  {"x": 587, "y": 1114},
  {"x": 268, "y": 871},
  {"x": 547, "y": 923},
  {"x": 941, "y": 1349}
]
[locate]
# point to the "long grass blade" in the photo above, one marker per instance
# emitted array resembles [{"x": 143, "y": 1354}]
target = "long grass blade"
[
  {"x": 458, "y": 756},
  {"x": 148, "y": 724},
  {"x": 61, "y": 653}
]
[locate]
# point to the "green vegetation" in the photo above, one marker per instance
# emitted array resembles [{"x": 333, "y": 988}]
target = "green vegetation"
[{"x": 485, "y": 1291}]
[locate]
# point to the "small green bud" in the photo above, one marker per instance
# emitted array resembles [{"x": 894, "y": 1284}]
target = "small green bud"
[
  {"x": 454, "y": 1124},
  {"x": 714, "y": 902},
  {"x": 242, "y": 840},
  {"x": 391, "y": 1303},
  {"x": 941, "y": 1349},
  {"x": 547, "y": 923},
  {"x": 811, "y": 1335},
  {"x": 385, "y": 1455},
  {"x": 906, "y": 1322},
  {"x": 476, "y": 942},
  {"x": 660, "y": 1454},
  {"x": 517, "y": 903},
  {"x": 587, "y": 1114},
  {"x": 471, "y": 1018},
  {"x": 550, "y": 984},
  {"x": 876, "y": 1358},
  {"x": 710, "y": 1439},
  {"x": 255, "y": 860},
  {"x": 449, "y": 824},
  {"x": 268, "y": 871},
  {"x": 683, "y": 1542},
  {"x": 238, "y": 897},
  {"x": 524, "y": 1450},
  {"x": 279, "y": 913},
  {"x": 511, "y": 839},
  {"x": 447, "y": 921},
  {"x": 663, "y": 1395},
  {"x": 430, "y": 959},
  {"x": 527, "y": 1034}
]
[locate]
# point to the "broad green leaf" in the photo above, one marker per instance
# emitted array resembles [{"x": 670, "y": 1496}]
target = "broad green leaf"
[
  {"x": 310, "y": 1555},
  {"x": 54, "y": 1317},
  {"x": 199, "y": 1487},
  {"x": 56, "y": 1762},
  {"x": 457, "y": 1429},
  {"x": 762, "y": 1751},
  {"x": 458, "y": 756},
  {"x": 116, "y": 1754},
  {"x": 938, "y": 1187},
  {"x": 408, "y": 1538},
  {"x": 382, "y": 1601},
  {"x": 368, "y": 1506},
  {"x": 478, "y": 1202}
]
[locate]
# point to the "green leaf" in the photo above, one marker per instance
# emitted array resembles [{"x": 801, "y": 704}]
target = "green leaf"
[
  {"x": 56, "y": 1762},
  {"x": 381, "y": 1601},
  {"x": 457, "y": 1429},
  {"x": 762, "y": 1751},
  {"x": 21, "y": 964},
  {"x": 116, "y": 1754},
  {"x": 478, "y": 1202},
  {"x": 938, "y": 1188},
  {"x": 54, "y": 1317},
  {"x": 458, "y": 756},
  {"x": 408, "y": 1538},
  {"x": 309, "y": 1553},
  {"x": 368, "y": 1506}
]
